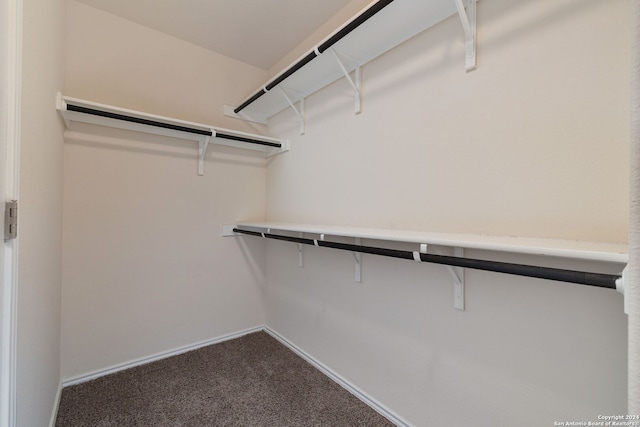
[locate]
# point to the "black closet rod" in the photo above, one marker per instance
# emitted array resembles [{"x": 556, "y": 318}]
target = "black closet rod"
[
  {"x": 359, "y": 20},
  {"x": 571, "y": 276},
  {"x": 250, "y": 140},
  {"x": 94, "y": 112},
  {"x": 116, "y": 116}
]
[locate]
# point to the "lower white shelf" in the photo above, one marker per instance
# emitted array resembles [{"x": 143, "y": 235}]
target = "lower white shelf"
[
  {"x": 572, "y": 249},
  {"x": 456, "y": 264}
]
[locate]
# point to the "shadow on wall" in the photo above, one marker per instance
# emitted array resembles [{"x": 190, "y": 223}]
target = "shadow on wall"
[
  {"x": 524, "y": 16},
  {"x": 135, "y": 142}
]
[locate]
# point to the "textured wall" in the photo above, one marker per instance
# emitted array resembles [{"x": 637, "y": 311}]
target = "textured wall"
[
  {"x": 532, "y": 143},
  {"x": 40, "y": 216},
  {"x": 145, "y": 267},
  {"x": 436, "y": 148}
]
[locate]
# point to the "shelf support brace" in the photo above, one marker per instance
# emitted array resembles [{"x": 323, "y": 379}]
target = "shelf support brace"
[
  {"x": 299, "y": 112},
  {"x": 456, "y": 273},
  {"x": 354, "y": 84},
  {"x": 621, "y": 287},
  {"x": 458, "y": 280},
  {"x": 358, "y": 259},
  {"x": 202, "y": 152},
  {"x": 61, "y": 106},
  {"x": 301, "y": 252},
  {"x": 468, "y": 19}
]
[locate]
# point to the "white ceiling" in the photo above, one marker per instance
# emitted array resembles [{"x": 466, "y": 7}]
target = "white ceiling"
[{"x": 258, "y": 32}]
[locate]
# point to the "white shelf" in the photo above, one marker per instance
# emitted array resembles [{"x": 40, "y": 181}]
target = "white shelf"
[
  {"x": 79, "y": 110},
  {"x": 397, "y": 22},
  {"x": 580, "y": 250}
]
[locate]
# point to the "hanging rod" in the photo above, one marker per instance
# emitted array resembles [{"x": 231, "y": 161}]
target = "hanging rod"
[
  {"x": 82, "y": 111},
  {"x": 139, "y": 120},
  {"x": 352, "y": 25},
  {"x": 609, "y": 281},
  {"x": 249, "y": 140},
  {"x": 132, "y": 119}
]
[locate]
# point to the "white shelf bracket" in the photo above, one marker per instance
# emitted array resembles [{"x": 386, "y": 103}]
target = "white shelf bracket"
[
  {"x": 202, "y": 152},
  {"x": 284, "y": 146},
  {"x": 457, "y": 275},
  {"x": 354, "y": 84},
  {"x": 228, "y": 111},
  {"x": 227, "y": 230},
  {"x": 299, "y": 112},
  {"x": 301, "y": 252},
  {"x": 61, "y": 105},
  {"x": 358, "y": 262},
  {"x": 620, "y": 287},
  {"x": 458, "y": 281},
  {"x": 468, "y": 19}
]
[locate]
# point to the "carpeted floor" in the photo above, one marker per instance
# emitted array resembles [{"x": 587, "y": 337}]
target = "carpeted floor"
[{"x": 250, "y": 381}]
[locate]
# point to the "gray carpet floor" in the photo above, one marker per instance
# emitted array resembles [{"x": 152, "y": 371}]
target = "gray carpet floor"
[{"x": 249, "y": 381}]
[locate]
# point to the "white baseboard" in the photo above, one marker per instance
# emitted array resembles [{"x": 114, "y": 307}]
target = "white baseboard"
[
  {"x": 364, "y": 397},
  {"x": 154, "y": 357},
  {"x": 56, "y": 405}
]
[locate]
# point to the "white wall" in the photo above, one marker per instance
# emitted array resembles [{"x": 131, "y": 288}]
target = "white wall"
[
  {"x": 40, "y": 213},
  {"x": 145, "y": 269},
  {"x": 533, "y": 143},
  {"x": 347, "y": 12}
]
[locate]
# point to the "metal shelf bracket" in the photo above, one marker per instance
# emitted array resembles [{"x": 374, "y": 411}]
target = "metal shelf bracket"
[
  {"x": 242, "y": 115},
  {"x": 354, "y": 84},
  {"x": 301, "y": 252},
  {"x": 620, "y": 287},
  {"x": 202, "y": 152},
  {"x": 299, "y": 111},
  {"x": 468, "y": 19},
  {"x": 457, "y": 275},
  {"x": 358, "y": 262}
]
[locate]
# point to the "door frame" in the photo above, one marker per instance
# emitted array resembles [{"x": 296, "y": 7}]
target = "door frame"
[{"x": 10, "y": 119}]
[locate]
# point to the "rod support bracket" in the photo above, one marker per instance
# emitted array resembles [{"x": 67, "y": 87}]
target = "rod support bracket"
[
  {"x": 358, "y": 262},
  {"x": 202, "y": 151},
  {"x": 299, "y": 111},
  {"x": 301, "y": 252},
  {"x": 227, "y": 230},
  {"x": 620, "y": 287},
  {"x": 457, "y": 276},
  {"x": 355, "y": 83},
  {"x": 468, "y": 20},
  {"x": 228, "y": 111}
]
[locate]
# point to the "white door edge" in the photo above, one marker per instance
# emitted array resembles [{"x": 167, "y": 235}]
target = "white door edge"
[{"x": 10, "y": 97}]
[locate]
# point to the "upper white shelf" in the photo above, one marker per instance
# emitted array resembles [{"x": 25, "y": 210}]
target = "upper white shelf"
[
  {"x": 79, "y": 110},
  {"x": 572, "y": 249},
  {"x": 378, "y": 28}
]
